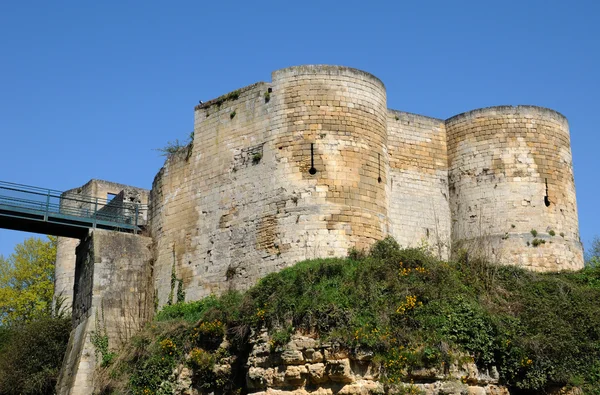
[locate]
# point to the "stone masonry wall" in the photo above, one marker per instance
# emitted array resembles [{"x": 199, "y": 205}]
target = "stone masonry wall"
[
  {"x": 245, "y": 203},
  {"x": 511, "y": 176},
  {"x": 64, "y": 272},
  {"x": 419, "y": 210},
  {"x": 113, "y": 297}
]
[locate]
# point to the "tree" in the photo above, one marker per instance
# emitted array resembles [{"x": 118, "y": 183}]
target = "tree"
[
  {"x": 27, "y": 281},
  {"x": 592, "y": 255}
]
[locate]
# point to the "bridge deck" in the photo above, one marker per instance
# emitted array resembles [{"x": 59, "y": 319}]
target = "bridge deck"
[{"x": 47, "y": 211}]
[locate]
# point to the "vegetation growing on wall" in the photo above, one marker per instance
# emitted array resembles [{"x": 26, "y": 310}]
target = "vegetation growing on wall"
[
  {"x": 410, "y": 309},
  {"x": 176, "y": 146}
]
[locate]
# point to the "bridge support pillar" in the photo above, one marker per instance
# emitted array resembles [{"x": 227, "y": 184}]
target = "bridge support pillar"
[
  {"x": 64, "y": 274},
  {"x": 113, "y": 298}
]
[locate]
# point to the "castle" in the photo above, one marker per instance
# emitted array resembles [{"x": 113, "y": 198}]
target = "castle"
[{"x": 314, "y": 163}]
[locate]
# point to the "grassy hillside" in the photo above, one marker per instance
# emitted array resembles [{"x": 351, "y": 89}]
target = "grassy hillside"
[{"x": 411, "y": 310}]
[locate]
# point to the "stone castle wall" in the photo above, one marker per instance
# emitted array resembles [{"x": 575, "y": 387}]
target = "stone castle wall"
[
  {"x": 511, "y": 184},
  {"x": 113, "y": 298},
  {"x": 419, "y": 211},
  {"x": 78, "y": 199}
]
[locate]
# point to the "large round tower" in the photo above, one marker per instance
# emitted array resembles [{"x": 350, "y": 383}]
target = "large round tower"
[
  {"x": 512, "y": 193},
  {"x": 334, "y": 128}
]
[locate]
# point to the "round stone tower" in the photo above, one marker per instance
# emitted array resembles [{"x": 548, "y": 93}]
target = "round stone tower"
[
  {"x": 512, "y": 193},
  {"x": 334, "y": 129}
]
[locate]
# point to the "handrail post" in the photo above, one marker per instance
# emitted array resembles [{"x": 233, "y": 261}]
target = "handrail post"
[
  {"x": 95, "y": 212},
  {"x": 47, "y": 207},
  {"x": 137, "y": 208}
]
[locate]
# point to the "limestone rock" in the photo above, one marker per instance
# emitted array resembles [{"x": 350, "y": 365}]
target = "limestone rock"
[
  {"x": 305, "y": 366},
  {"x": 295, "y": 375},
  {"x": 335, "y": 353},
  {"x": 362, "y": 387},
  {"x": 496, "y": 390},
  {"x": 292, "y": 357},
  {"x": 476, "y": 391},
  {"x": 362, "y": 355},
  {"x": 301, "y": 342},
  {"x": 339, "y": 370},
  {"x": 313, "y": 355},
  {"x": 183, "y": 384},
  {"x": 453, "y": 388},
  {"x": 426, "y": 374},
  {"x": 316, "y": 372}
]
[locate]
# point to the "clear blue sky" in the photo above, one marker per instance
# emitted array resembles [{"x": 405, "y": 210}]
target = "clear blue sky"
[{"x": 89, "y": 89}]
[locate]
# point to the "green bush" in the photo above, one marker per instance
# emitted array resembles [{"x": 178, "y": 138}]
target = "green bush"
[{"x": 31, "y": 355}]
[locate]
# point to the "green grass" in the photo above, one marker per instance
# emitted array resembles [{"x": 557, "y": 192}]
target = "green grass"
[{"x": 411, "y": 310}]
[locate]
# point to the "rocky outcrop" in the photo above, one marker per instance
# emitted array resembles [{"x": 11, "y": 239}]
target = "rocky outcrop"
[{"x": 305, "y": 365}]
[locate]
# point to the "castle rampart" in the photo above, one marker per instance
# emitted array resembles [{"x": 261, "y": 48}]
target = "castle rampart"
[{"x": 419, "y": 211}]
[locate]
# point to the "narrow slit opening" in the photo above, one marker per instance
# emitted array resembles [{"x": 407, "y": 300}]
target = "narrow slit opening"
[
  {"x": 379, "y": 168},
  {"x": 546, "y": 198},
  {"x": 312, "y": 170}
]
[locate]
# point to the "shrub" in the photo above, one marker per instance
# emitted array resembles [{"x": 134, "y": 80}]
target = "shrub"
[
  {"x": 31, "y": 356},
  {"x": 537, "y": 242},
  {"x": 356, "y": 254}
]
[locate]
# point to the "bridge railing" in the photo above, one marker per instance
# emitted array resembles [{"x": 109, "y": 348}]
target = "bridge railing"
[{"x": 27, "y": 201}]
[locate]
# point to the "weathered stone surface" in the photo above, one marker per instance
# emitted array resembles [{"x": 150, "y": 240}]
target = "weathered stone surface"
[
  {"x": 339, "y": 370},
  {"x": 302, "y": 342},
  {"x": 453, "y": 388},
  {"x": 183, "y": 385},
  {"x": 113, "y": 294},
  {"x": 292, "y": 357},
  {"x": 296, "y": 375},
  {"x": 476, "y": 391},
  {"x": 511, "y": 172},
  {"x": 313, "y": 355},
  {"x": 64, "y": 276},
  {"x": 317, "y": 373},
  {"x": 354, "y": 374},
  {"x": 362, "y": 387},
  {"x": 336, "y": 353}
]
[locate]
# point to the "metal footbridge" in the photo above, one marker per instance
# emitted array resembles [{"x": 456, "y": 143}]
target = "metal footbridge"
[{"x": 69, "y": 214}]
